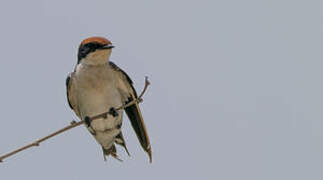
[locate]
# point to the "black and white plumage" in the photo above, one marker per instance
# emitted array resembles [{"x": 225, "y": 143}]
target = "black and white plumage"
[{"x": 98, "y": 85}]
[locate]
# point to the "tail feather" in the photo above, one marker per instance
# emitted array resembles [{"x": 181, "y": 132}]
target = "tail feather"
[
  {"x": 111, "y": 151},
  {"x": 120, "y": 141}
]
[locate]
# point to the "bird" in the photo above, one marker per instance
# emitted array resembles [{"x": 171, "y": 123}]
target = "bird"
[{"x": 98, "y": 85}]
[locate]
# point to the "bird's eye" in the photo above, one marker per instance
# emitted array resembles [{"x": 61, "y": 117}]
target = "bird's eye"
[
  {"x": 92, "y": 45},
  {"x": 85, "y": 49}
]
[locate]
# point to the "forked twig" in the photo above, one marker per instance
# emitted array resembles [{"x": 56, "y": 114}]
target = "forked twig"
[{"x": 75, "y": 124}]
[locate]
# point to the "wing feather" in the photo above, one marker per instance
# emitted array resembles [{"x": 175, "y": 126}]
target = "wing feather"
[
  {"x": 133, "y": 112},
  {"x": 71, "y": 93}
]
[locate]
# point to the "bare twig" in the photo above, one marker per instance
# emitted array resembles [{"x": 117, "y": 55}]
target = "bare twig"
[{"x": 75, "y": 124}]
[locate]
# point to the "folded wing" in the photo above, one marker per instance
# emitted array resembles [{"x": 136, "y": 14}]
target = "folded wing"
[
  {"x": 128, "y": 93},
  {"x": 71, "y": 93}
]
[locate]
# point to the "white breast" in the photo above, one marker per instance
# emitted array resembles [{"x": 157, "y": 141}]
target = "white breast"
[{"x": 97, "y": 93}]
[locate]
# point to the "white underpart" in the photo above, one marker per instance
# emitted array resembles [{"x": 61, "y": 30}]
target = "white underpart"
[
  {"x": 96, "y": 93},
  {"x": 99, "y": 57}
]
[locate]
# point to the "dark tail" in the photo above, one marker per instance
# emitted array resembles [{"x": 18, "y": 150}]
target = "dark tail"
[
  {"x": 120, "y": 140},
  {"x": 111, "y": 151}
]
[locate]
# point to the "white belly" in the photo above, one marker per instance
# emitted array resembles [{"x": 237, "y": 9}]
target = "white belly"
[{"x": 97, "y": 93}]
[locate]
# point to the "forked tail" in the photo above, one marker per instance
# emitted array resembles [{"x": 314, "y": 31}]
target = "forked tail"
[{"x": 111, "y": 151}]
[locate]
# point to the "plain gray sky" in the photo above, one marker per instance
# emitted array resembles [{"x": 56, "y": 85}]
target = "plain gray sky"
[{"x": 236, "y": 87}]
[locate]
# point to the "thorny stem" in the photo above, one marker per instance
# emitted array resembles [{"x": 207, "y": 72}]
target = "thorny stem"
[{"x": 75, "y": 124}]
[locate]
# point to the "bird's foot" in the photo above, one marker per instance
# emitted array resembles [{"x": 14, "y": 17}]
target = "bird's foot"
[
  {"x": 113, "y": 112},
  {"x": 87, "y": 121},
  {"x": 73, "y": 122}
]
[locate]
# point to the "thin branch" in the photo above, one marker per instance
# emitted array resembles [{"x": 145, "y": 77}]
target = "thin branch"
[{"x": 75, "y": 124}]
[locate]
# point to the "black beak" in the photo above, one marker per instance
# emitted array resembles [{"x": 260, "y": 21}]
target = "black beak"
[{"x": 108, "y": 46}]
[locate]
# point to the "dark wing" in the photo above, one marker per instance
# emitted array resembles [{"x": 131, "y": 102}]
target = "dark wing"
[
  {"x": 128, "y": 94},
  {"x": 71, "y": 93}
]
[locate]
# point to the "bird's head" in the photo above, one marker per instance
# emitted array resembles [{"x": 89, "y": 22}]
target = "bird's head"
[{"x": 94, "y": 51}]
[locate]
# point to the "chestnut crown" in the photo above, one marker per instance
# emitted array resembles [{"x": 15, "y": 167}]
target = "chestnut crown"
[{"x": 92, "y": 44}]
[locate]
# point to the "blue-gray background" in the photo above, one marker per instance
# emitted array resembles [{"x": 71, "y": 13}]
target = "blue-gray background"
[{"x": 236, "y": 87}]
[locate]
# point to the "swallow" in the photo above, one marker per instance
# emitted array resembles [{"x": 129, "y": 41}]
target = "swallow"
[{"x": 97, "y": 85}]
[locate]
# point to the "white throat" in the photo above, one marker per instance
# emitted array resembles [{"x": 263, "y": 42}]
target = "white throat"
[{"x": 98, "y": 57}]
